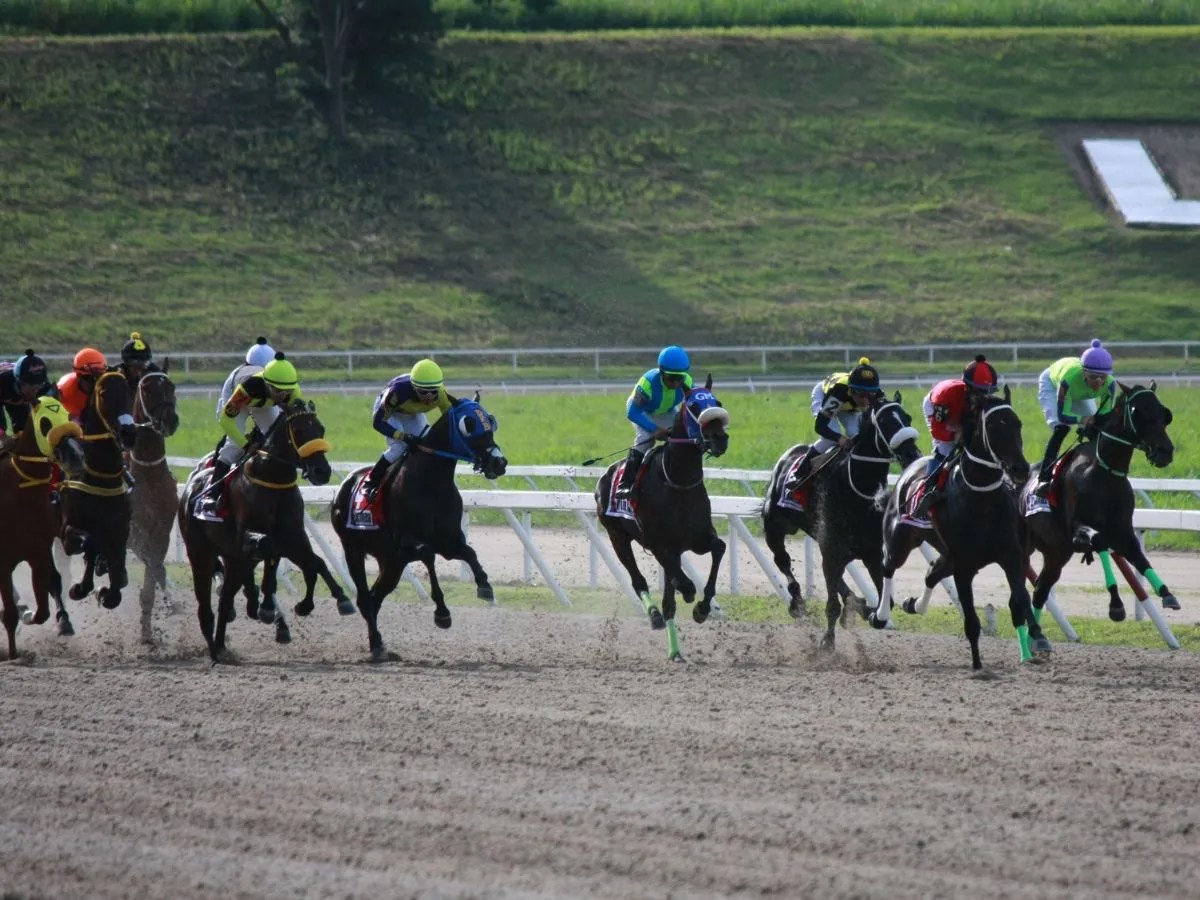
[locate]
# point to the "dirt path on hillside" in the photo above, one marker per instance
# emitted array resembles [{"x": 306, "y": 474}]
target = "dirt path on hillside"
[{"x": 554, "y": 755}]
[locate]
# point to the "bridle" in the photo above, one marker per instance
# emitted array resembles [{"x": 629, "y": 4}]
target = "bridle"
[
  {"x": 300, "y": 452},
  {"x": 884, "y": 453},
  {"x": 149, "y": 419},
  {"x": 992, "y": 461},
  {"x": 1129, "y": 427},
  {"x": 694, "y": 433}
]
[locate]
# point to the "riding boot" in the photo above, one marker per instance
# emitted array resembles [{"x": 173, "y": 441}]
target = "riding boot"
[
  {"x": 931, "y": 493},
  {"x": 375, "y": 478},
  {"x": 633, "y": 463},
  {"x": 220, "y": 469},
  {"x": 1049, "y": 458},
  {"x": 803, "y": 471}
]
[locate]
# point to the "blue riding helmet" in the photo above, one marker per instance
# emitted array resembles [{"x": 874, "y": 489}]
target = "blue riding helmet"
[{"x": 674, "y": 360}]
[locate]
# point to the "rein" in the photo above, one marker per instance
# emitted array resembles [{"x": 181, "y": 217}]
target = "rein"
[
  {"x": 1129, "y": 427},
  {"x": 884, "y": 459},
  {"x": 992, "y": 463},
  {"x": 27, "y": 480}
]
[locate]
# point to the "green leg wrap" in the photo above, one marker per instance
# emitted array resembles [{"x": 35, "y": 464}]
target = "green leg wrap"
[
  {"x": 672, "y": 640},
  {"x": 1023, "y": 642},
  {"x": 1037, "y": 615},
  {"x": 1106, "y": 562},
  {"x": 1155, "y": 581},
  {"x": 646, "y": 601}
]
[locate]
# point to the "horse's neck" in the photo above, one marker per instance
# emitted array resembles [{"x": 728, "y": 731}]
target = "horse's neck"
[
  {"x": 684, "y": 463},
  {"x": 427, "y": 460},
  {"x": 150, "y": 449}
]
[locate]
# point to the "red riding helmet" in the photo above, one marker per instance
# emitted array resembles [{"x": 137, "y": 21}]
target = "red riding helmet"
[{"x": 980, "y": 375}]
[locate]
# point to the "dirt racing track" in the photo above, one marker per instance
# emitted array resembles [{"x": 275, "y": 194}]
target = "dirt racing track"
[{"x": 559, "y": 755}]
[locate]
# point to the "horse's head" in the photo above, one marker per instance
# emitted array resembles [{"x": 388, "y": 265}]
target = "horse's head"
[
  {"x": 1146, "y": 420},
  {"x": 58, "y": 438},
  {"x": 702, "y": 420},
  {"x": 892, "y": 429},
  {"x": 110, "y": 409},
  {"x": 472, "y": 435},
  {"x": 154, "y": 403},
  {"x": 300, "y": 437},
  {"x": 996, "y": 436}
]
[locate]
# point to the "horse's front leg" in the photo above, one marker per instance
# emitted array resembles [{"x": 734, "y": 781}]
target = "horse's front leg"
[
  {"x": 832, "y": 569},
  {"x": 1130, "y": 547},
  {"x": 85, "y": 585},
  {"x": 963, "y": 581},
  {"x": 65, "y": 628},
  {"x": 391, "y": 568},
  {"x": 10, "y": 614},
  {"x": 115, "y": 542},
  {"x": 668, "y": 607},
  {"x": 460, "y": 549},
  {"x": 716, "y": 548},
  {"x": 1033, "y": 643}
]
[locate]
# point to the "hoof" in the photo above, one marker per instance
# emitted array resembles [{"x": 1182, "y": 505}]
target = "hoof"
[
  {"x": 65, "y": 628},
  {"x": 910, "y": 606},
  {"x": 877, "y": 622},
  {"x": 657, "y": 622},
  {"x": 827, "y": 643},
  {"x": 303, "y": 608},
  {"x": 1041, "y": 647},
  {"x": 283, "y": 634},
  {"x": 109, "y": 598},
  {"x": 380, "y": 654},
  {"x": 1169, "y": 601},
  {"x": 25, "y": 614},
  {"x": 346, "y": 607},
  {"x": 485, "y": 592},
  {"x": 676, "y": 658},
  {"x": 796, "y": 608},
  {"x": 1116, "y": 612},
  {"x": 266, "y": 614},
  {"x": 700, "y": 612},
  {"x": 442, "y": 621},
  {"x": 76, "y": 592}
]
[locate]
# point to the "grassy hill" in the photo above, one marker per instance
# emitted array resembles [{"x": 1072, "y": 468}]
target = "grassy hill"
[{"x": 725, "y": 187}]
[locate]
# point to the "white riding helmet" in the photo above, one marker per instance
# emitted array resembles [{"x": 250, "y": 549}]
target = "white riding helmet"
[{"x": 260, "y": 353}]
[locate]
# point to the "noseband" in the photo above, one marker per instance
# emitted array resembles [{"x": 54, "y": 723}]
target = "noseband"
[
  {"x": 1129, "y": 427},
  {"x": 992, "y": 461},
  {"x": 883, "y": 452}
]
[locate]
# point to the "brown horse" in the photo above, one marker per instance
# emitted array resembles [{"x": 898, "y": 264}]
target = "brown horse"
[
  {"x": 156, "y": 496},
  {"x": 30, "y": 521},
  {"x": 96, "y": 506},
  {"x": 265, "y": 523}
]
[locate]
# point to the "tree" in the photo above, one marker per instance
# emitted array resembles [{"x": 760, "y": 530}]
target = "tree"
[{"x": 334, "y": 39}]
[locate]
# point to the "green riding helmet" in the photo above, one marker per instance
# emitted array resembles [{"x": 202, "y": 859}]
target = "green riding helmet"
[
  {"x": 426, "y": 374},
  {"x": 280, "y": 374}
]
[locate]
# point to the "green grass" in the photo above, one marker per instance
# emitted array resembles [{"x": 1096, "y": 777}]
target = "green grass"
[
  {"x": 708, "y": 187},
  {"x": 146, "y": 16}
]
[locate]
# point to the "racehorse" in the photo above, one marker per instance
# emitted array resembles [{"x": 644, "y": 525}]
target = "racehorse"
[
  {"x": 976, "y": 523},
  {"x": 672, "y": 513},
  {"x": 265, "y": 522},
  {"x": 31, "y": 521},
  {"x": 155, "y": 499},
  {"x": 96, "y": 508},
  {"x": 1094, "y": 502},
  {"x": 422, "y": 513},
  {"x": 841, "y": 514}
]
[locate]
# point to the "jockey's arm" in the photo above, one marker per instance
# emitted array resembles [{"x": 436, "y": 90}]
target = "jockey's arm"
[
  {"x": 1062, "y": 409},
  {"x": 238, "y": 403},
  {"x": 637, "y": 410}
]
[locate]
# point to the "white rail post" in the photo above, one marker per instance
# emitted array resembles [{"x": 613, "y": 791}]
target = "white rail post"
[
  {"x": 600, "y": 545},
  {"x": 543, "y": 566},
  {"x": 764, "y": 562},
  {"x": 732, "y": 553}
]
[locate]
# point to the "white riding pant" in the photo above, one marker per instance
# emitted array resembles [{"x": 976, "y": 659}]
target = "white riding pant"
[
  {"x": 643, "y": 440},
  {"x": 264, "y": 417},
  {"x": 412, "y": 424}
]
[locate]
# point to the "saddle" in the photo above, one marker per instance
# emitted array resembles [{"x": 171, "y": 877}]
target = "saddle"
[
  {"x": 1035, "y": 504},
  {"x": 363, "y": 514}
]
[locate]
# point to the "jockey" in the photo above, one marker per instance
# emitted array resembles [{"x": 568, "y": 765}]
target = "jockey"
[
  {"x": 258, "y": 397},
  {"x": 399, "y": 415},
  {"x": 21, "y": 383},
  {"x": 838, "y": 403},
  {"x": 136, "y": 359},
  {"x": 1073, "y": 392},
  {"x": 76, "y": 386},
  {"x": 259, "y": 354},
  {"x": 651, "y": 408},
  {"x": 947, "y": 407}
]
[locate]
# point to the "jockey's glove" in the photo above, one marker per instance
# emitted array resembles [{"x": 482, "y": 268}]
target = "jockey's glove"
[
  {"x": 127, "y": 433},
  {"x": 399, "y": 435}
]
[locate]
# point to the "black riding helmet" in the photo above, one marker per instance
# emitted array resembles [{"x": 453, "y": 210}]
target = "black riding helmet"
[
  {"x": 135, "y": 349},
  {"x": 30, "y": 369},
  {"x": 864, "y": 377}
]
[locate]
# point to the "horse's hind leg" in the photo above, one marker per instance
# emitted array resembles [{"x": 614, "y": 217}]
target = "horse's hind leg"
[
  {"x": 85, "y": 585},
  {"x": 832, "y": 569},
  {"x": 460, "y": 549},
  {"x": 1116, "y": 607},
  {"x": 966, "y": 596},
  {"x": 1032, "y": 641},
  {"x": 622, "y": 545},
  {"x": 10, "y": 614},
  {"x": 776, "y": 536}
]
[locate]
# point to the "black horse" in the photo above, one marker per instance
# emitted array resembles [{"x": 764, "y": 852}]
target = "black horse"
[
  {"x": 1094, "y": 508},
  {"x": 673, "y": 513},
  {"x": 422, "y": 513},
  {"x": 977, "y": 522},
  {"x": 96, "y": 508},
  {"x": 842, "y": 514},
  {"x": 265, "y": 523}
]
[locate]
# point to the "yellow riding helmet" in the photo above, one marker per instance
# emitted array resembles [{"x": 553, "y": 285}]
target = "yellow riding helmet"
[
  {"x": 280, "y": 374},
  {"x": 426, "y": 374}
]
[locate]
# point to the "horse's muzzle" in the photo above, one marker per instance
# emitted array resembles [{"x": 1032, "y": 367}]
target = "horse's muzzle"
[
  {"x": 1160, "y": 455},
  {"x": 317, "y": 470},
  {"x": 716, "y": 444}
]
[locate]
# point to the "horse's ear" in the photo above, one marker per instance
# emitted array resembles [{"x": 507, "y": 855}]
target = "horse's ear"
[
  {"x": 476, "y": 395},
  {"x": 1007, "y": 395},
  {"x": 896, "y": 397},
  {"x": 1153, "y": 386},
  {"x": 312, "y": 406},
  {"x": 708, "y": 382},
  {"x": 166, "y": 366}
]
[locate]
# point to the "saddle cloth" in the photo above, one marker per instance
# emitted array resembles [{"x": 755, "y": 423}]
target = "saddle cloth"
[
  {"x": 621, "y": 507},
  {"x": 363, "y": 514}
]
